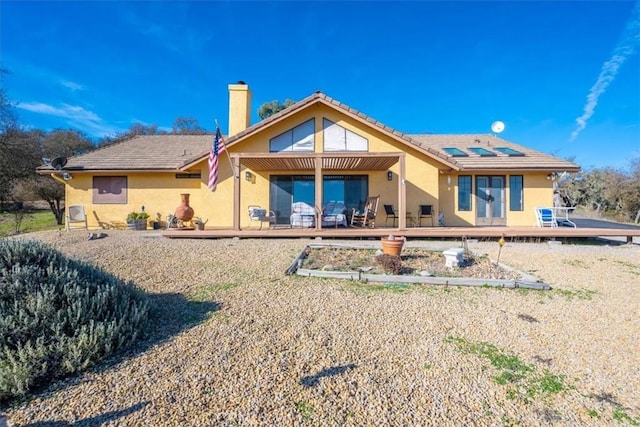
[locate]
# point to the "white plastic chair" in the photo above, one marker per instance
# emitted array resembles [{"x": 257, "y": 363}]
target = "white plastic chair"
[{"x": 75, "y": 215}]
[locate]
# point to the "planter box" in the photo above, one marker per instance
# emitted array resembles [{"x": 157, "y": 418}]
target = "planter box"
[{"x": 139, "y": 224}]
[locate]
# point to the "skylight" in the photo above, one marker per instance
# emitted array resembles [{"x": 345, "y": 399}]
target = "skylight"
[
  {"x": 509, "y": 151},
  {"x": 455, "y": 152},
  {"x": 482, "y": 152}
]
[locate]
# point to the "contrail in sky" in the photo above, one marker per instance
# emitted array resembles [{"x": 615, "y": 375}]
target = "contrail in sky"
[{"x": 624, "y": 49}]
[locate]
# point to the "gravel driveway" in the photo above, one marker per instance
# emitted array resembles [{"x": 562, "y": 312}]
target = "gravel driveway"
[{"x": 236, "y": 342}]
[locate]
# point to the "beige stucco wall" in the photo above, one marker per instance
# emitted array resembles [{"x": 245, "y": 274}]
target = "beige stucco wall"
[
  {"x": 538, "y": 192},
  {"x": 158, "y": 193},
  {"x": 426, "y": 182}
]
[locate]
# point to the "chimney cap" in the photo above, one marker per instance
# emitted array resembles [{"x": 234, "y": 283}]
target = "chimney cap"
[{"x": 241, "y": 82}]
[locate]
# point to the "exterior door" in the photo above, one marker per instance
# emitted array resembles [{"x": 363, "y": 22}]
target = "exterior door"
[
  {"x": 288, "y": 189},
  {"x": 490, "y": 200}
]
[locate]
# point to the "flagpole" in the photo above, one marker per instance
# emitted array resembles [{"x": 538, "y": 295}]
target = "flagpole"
[{"x": 233, "y": 169}]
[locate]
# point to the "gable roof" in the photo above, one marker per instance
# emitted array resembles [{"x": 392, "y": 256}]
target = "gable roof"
[
  {"x": 179, "y": 152},
  {"x": 319, "y": 97}
]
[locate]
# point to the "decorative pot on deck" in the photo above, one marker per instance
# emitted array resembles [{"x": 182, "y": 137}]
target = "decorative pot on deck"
[
  {"x": 392, "y": 245},
  {"x": 184, "y": 212}
]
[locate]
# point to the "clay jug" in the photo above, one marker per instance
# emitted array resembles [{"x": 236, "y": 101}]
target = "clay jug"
[{"x": 184, "y": 212}]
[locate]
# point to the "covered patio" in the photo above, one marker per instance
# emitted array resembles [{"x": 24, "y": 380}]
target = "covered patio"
[{"x": 319, "y": 164}]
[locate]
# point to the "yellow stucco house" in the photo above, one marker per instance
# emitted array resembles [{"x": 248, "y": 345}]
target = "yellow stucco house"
[{"x": 316, "y": 151}]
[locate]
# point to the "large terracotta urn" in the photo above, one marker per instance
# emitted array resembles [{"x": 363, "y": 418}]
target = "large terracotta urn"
[{"x": 184, "y": 212}]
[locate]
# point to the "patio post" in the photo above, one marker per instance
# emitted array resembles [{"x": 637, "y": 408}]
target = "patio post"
[
  {"x": 402, "y": 193},
  {"x": 318, "y": 191}
]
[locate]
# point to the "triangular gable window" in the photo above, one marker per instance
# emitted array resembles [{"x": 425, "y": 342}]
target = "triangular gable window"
[
  {"x": 300, "y": 138},
  {"x": 337, "y": 138}
]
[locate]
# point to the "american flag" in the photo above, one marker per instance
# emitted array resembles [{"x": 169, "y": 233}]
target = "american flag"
[{"x": 216, "y": 149}]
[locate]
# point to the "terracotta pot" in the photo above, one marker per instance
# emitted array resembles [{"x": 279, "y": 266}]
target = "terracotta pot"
[
  {"x": 392, "y": 246},
  {"x": 184, "y": 212}
]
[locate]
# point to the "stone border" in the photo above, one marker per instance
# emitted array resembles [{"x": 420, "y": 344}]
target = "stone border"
[{"x": 528, "y": 282}]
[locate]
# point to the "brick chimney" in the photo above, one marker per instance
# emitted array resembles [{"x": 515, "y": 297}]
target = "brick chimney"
[{"x": 239, "y": 107}]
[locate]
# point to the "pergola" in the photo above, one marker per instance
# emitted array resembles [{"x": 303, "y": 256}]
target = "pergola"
[{"x": 318, "y": 163}]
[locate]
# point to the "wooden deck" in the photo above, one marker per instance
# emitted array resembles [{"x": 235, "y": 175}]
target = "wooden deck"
[{"x": 413, "y": 232}]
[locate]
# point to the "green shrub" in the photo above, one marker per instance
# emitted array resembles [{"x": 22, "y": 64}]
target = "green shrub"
[
  {"x": 59, "y": 316},
  {"x": 134, "y": 216}
]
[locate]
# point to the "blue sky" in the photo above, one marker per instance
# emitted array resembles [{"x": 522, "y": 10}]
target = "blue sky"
[{"x": 564, "y": 77}]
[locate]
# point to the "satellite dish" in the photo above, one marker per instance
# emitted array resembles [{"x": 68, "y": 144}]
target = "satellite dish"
[
  {"x": 59, "y": 162},
  {"x": 497, "y": 126}
]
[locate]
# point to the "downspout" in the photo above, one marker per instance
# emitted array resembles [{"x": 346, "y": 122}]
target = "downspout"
[{"x": 57, "y": 178}]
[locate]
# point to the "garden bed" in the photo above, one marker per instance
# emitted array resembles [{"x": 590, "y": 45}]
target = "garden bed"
[{"x": 415, "y": 265}]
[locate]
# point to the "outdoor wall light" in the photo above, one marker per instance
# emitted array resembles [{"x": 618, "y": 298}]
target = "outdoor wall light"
[
  {"x": 389, "y": 176},
  {"x": 247, "y": 176}
]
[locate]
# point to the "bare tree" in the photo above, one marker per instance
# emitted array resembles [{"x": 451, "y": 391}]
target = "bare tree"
[
  {"x": 605, "y": 191},
  {"x": 187, "y": 126}
]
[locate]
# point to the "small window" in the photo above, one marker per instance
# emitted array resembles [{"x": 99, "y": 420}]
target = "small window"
[
  {"x": 482, "y": 152},
  {"x": 464, "y": 193},
  {"x": 509, "y": 151},
  {"x": 109, "y": 190},
  {"x": 516, "y": 193},
  {"x": 455, "y": 152},
  {"x": 338, "y": 138},
  {"x": 300, "y": 138},
  {"x": 196, "y": 175}
]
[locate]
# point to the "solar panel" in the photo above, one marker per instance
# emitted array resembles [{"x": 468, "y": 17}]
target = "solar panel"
[
  {"x": 509, "y": 151},
  {"x": 482, "y": 152},
  {"x": 455, "y": 152}
]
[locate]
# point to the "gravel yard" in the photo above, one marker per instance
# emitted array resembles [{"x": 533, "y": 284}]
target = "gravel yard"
[{"x": 237, "y": 342}]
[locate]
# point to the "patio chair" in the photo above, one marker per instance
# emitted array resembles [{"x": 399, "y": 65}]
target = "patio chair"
[
  {"x": 366, "y": 218},
  {"x": 391, "y": 213},
  {"x": 546, "y": 217},
  {"x": 257, "y": 213},
  {"x": 425, "y": 211},
  {"x": 75, "y": 215},
  {"x": 334, "y": 214}
]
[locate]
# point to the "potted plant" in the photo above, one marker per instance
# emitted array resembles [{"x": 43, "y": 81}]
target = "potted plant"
[
  {"x": 137, "y": 220},
  {"x": 392, "y": 245}
]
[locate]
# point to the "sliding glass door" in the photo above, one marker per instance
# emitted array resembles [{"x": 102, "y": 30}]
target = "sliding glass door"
[
  {"x": 352, "y": 190},
  {"x": 288, "y": 189}
]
